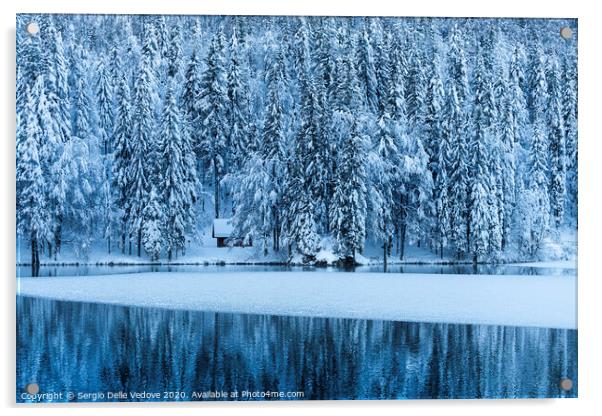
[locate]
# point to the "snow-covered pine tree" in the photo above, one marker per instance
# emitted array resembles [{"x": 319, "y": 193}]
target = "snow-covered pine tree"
[
  {"x": 56, "y": 109},
  {"x": 495, "y": 75},
  {"x": 304, "y": 186},
  {"x": 367, "y": 72},
  {"x": 142, "y": 167},
  {"x": 456, "y": 124},
  {"x": 301, "y": 229},
  {"x": 272, "y": 148},
  {"x": 538, "y": 183},
  {"x": 569, "y": 101},
  {"x": 57, "y": 84},
  {"x": 383, "y": 168},
  {"x": 383, "y": 180},
  {"x": 122, "y": 154},
  {"x": 81, "y": 123},
  {"x": 348, "y": 218},
  {"x": 33, "y": 218},
  {"x": 172, "y": 189},
  {"x": 259, "y": 186},
  {"x": 482, "y": 216},
  {"x": 443, "y": 162},
  {"x": 152, "y": 226},
  {"x": 557, "y": 145},
  {"x": 174, "y": 51},
  {"x": 349, "y": 206},
  {"x": 104, "y": 94},
  {"x": 238, "y": 111},
  {"x": 512, "y": 119},
  {"x": 212, "y": 112},
  {"x": 324, "y": 67},
  {"x": 433, "y": 131},
  {"x": 191, "y": 92},
  {"x": 311, "y": 154},
  {"x": 105, "y": 106},
  {"x": 29, "y": 60}
]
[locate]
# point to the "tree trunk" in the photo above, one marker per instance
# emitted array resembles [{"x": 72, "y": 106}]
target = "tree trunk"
[
  {"x": 35, "y": 259},
  {"x": 123, "y": 237},
  {"x": 140, "y": 242},
  {"x": 402, "y": 242},
  {"x": 216, "y": 195},
  {"x": 57, "y": 234},
  {"x": 402, "y": 228},
  {"x": 468, "y": 236},
  {"x": 33, "y": 250}
]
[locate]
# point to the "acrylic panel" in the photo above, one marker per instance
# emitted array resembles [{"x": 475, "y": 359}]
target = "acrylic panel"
[{"x": 295, "y": 208}]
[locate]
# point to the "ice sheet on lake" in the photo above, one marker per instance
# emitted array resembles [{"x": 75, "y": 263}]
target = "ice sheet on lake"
[{"x": 544, "y": 301}]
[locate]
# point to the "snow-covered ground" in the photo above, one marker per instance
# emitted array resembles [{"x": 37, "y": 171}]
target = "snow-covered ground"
[
  {"x": 205, "y": 251},
  {"x": 543, "y": 301}
]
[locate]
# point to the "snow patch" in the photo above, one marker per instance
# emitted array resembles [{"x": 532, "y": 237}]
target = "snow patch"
[{"x": 542, "y": 301}]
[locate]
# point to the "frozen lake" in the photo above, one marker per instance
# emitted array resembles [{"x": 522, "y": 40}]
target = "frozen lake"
[
  {"x": 543, "y": 301},
  {"x": 414, "y": 332}
]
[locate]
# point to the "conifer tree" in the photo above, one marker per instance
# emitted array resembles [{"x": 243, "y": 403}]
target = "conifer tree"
[
  {"x": 152, "y": 226},
  {"x": 348, "y": 219},
  {"x": 141, "y": 167},
  {"x": 557, "y": 145},
  {"x": 33, "y": 218},
  {"x": 122, "y": 154},
  {"x": 172, "y": 189},
  {"x": 212, "y": 113}
]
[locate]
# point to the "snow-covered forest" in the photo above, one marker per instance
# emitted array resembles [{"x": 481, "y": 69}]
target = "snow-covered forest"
[{"x": 135, "y": 132}]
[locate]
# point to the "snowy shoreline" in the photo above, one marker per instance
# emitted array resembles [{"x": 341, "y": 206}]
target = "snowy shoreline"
[{"x": 539, "y": 301}]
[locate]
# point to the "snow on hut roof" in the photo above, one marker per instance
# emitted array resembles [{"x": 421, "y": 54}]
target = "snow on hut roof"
[{"x": 222, "y": 227}]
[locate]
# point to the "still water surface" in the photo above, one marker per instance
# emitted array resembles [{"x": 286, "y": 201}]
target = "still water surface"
[
  {"x": 90, "y": 348},
  {"x": 92, "y": 270}
]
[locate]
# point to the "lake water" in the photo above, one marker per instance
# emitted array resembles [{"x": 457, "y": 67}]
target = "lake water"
[
  {"x": 91, "y": 270},
  {"x": 93, "y": 349}
]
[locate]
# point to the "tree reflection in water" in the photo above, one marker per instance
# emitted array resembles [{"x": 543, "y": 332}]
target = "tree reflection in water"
[{"x": 82, "y": 347}]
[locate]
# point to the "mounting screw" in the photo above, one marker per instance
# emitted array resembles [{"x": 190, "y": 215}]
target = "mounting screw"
[
  {"x": 32, "y": 388},
  {"x": 566, "y": 33},
  {"x": 566, "y": 384},
  {"x": 32, "y": 28}
]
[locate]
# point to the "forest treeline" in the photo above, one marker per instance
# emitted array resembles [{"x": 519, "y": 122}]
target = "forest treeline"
[{"x": 455, "y": 134}]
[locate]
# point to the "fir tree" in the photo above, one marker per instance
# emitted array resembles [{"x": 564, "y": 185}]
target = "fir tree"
[
  {"x": 349, "y": 206},
  {"x": 122, "y": 154},
  {"x": 152, "y": 226},
  {"x": 457, "y": 124},
  {"x": 557, "y": 146},
  {"x": 539, "y": 203},
  {"x": 481, "y": 208},
  {"x": 173, "y": 188},
  {"x": 190, "y": 94},
  {"x": 141, "y": 167},
  {"x": 569, "y": 100},
  {"x": 33, "y": 218},
  {"x": 212, "y": 111},
  {"x": 238, "y": 104}
]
